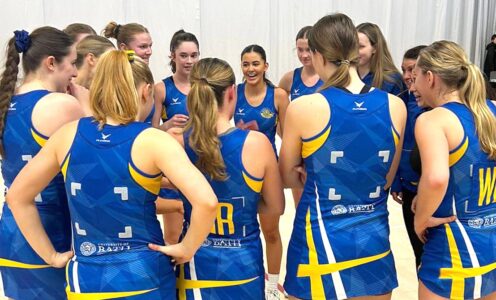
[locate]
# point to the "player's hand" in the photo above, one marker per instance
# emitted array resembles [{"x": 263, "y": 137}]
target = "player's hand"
[
  {"x": 177, "y": 252},
  {"x": 178, "y": 120},
  {"x": 398, "y": 197},
  {"x": 433, "y": 222},
  {"x": 60, "y": 260}
]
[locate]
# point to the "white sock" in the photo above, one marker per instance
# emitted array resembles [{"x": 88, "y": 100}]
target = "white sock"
[{"x": 272, "y": 281}]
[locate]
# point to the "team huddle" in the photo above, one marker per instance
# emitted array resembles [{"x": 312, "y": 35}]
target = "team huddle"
[{"x": 93, "y": 149}]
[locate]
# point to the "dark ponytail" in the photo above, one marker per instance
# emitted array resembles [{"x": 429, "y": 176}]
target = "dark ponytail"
[{"x": 7, "y": 85}]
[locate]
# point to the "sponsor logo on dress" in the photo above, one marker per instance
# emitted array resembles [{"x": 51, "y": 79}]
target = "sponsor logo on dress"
[
  {"x": 240, "y": 112},
  {"x": 358, "y": 106},
  {"x": 104, "y": 138},
  {"x": 352, "y": 209},
  {"x": 112, "y": 248},
  {"x": 296, "y": 92},
  {"x": 266, "y": 113},
  {"x": 87, "y": 248},
  {"x": 339, "y": 210},
  {"x": 175, "y": 101},
  {"x": 483, "y": 222},
  {"x": 222, "y": 243}
]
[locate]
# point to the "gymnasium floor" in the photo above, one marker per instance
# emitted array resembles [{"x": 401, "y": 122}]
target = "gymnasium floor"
[{"x": 403, "y": 254}]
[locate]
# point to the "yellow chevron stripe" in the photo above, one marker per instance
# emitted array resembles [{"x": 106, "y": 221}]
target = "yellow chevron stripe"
[
  {"x": 199, "y": 284},
  {"x": 314, "y": 270},
  {"x": 396, "y": 137},
  {"x": 458, "y": 154},
  {"x": 151, "y": 184},
  {"x": 15, "y": 264},
  {"x": 108, "y": 295},
  {"x": 449, "y": 273},
  {"x": 38, "y": 138},
  {"x": 309, "y": 147},
  {"x": 65, "y": 164},
  {"x": 255, "y": 185},
  {"x": 457, "y": 283},
  {"x": 316, "y": 285}
]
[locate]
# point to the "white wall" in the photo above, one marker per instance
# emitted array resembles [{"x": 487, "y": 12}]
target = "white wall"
[{"x": 225, "y": 27}]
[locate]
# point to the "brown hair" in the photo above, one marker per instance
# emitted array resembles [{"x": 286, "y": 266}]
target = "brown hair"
[
  {"x": 303, "y": 33},
  {"x": 449, "y": 61},
  {"x": 91, "y": 44},
  {"x": 335, "y": 37},
  {"x": 44, "y": 41},
  {"x": 123, "y": 33},
  {"x": 209, "y": 78},
  {"x": 112, "y": 92},
  {"x": 381, "y": 63},
  {"x": 75, "y": 29},
  {"x": 179, "y": 37}
]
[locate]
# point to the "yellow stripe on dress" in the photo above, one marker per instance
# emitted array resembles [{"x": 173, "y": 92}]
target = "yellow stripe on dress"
[
  {"x": 457, "y": 283},
  {"x": 314, "y": 270},
  {"x": 164, "y": 113},
  {"x": 183, "y": 284},
  {"x": 151, "y": 184},
  {"x": 309, "y": 147},
  {"x": 316, "y": 285},
  {"x": 396, "y": 137},
  {"x": 104, "y": 295},
  {"x": 65, "y": 164},
  {"x": 38, "y": 138},
  {"x": 15, "y": 264},
  {"x": 254, "y": 184},
  {"x": 458, "y": 154}
]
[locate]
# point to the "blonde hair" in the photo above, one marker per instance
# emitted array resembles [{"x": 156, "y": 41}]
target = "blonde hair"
[
  {"x": 209, "y": 79},
  {"x": 141, "y": 73},
  {"x": 381, "y": 63},
  {"x": 112, "y": 92},
  {"x": 335, "y": 37},
  {"x": 91, "y": 44},
  {"x": 449, "y": 61},
  {"x": 123, "y": 33}
]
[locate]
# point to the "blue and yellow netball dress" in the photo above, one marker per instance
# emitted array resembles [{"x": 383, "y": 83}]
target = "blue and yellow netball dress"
[
  {"x": 459, "y": 259},
  {"x": 174, "y": 103},
  {"x": 25, "y": 275},
  {"x": 261, "y": 118},
  {"x": 112, "y": 205},
  {"x": 339, "y": 247},
  {"x": 406, "y": 177},
  {"x": 229, "y": 264},
  {"x": 298, "y": 87}
]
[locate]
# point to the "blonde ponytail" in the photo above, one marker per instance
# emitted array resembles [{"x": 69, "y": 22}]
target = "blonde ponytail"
[
  {"x": 209, "y": 78},
  {"x": 473, "y": 95}
]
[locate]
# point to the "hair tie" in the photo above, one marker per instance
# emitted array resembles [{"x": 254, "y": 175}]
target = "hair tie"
[
  {"x": 22, "y": 41},
  {"x": 130, "y": 55},
  {"x": 116, "y": 30},
  {"x": 204, "y": 80}
]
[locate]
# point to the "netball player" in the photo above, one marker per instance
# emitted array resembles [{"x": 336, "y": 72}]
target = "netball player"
[
  {"x": 303, "y": 80},
  {"x": 349, "y": 138},
  {"x": 112, "y": 166},
  {"x": 376, "y": 66},
  {"x": 457, "y": 143},
  {"x": 261, "y": 106},
  {"x": 239, "y": 165},
  {"x": 170, "y": 105},
  {"x": 28, "y": 116}
]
